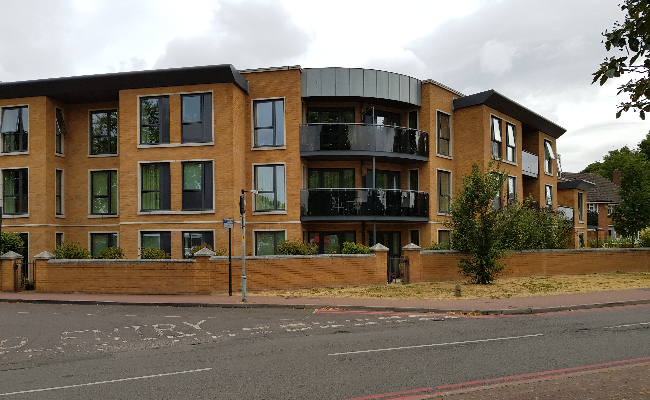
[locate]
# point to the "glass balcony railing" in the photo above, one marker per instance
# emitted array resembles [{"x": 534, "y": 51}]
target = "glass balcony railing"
[
  {"x": 529, "y": 164},
  {"x": 350, "y": 203},
  {"x": 364, "y": 138}
]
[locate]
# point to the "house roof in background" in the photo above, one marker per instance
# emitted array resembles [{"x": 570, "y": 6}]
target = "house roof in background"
[{"x": 605, "y": 191}]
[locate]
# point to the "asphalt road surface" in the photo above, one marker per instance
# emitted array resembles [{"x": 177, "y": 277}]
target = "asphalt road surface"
[{"x": 136, "y": 352}]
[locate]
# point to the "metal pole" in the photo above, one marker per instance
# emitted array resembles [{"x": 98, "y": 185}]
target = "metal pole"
[
  {"x": 229, "y": 261},
  {"x": 374, "y": 184},
  {"x": 243, "y": 251}
]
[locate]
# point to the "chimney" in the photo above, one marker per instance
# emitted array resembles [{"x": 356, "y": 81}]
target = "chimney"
[{"x": 616, "y": 177}]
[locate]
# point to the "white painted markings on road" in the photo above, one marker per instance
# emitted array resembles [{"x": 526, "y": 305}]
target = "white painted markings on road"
[
  {"x": 626, "y": 325},
  {"x": 438, "y": 344},
  {"x": 105, "y": 382}
]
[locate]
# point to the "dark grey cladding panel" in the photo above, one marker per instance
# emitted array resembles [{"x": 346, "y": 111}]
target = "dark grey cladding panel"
[{"x": 357, "y": 82}]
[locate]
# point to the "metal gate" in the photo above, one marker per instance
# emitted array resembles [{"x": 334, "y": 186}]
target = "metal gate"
[
  {"x": 398, "y": 270},
  {"x": 24, "y": 275}
]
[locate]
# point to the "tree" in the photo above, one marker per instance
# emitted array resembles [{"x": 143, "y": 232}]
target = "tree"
[
  {"x": 632, "y": 214},
  {"x": 644, "y": 146},
  {"x": 633, "y": 38},
  {"x": 11, "y": 242},
  {"x": 476, "y": 226},
  {"x": 616, "y": 159}
]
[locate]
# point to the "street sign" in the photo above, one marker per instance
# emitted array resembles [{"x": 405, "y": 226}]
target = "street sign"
[{"x": 228, "y": 223}]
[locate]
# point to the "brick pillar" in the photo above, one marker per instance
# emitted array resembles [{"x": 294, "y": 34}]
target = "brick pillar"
[
  {"x": 7, "y": 270},
  {"x": 381, "y": 253},
  {"x": 203, "y": 285},
  {"x": 40, "y": 270},
  {"x": 412, "y": 253}
]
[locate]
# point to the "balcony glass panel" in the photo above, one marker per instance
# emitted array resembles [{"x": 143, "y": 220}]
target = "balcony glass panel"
[
  {"x": 529, "y": 164},
  {"x": 364, "y": 202}
]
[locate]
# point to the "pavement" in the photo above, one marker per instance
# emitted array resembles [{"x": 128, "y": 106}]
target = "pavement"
[{"x": 501, "y": 306}]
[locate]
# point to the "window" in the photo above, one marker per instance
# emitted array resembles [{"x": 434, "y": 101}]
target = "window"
[
  {"x": 103, "y": 132},
  {"x": 330, "y": 115},
  {"x": 58, "y": 239},
  {"x": 610, "y": 210},
  {"x": 414, "y": 179},
  {"x": 197, "y": 118},
  {"x": 192, "y": 239},
  {"x": 331, "y": 178},
  {"x": 444, "y": 134},
  {"x": 266, "y": 243},
  {"x": 444, "y": 236},
  {"x": 444, "y": 192},
  {"x": 102, "y": 241},
  {"x": 155, "y": 191},
  {"x": 413, "y": 119},
  {"x": 156, "y": 240},
  {"x": 269, "y": 182},
  {"x": 154, "y": 120},
  {"x": 581, "y": 240},
  {"x": 58, "y": 192},
  {"x": 330, "y": 242},
  {"x": 511, "y": 143},
  {"x": 496, "y": 137},
  {"x": 611, "y": 232},
  {"x": 581, "y": 210},
  {"x": 497, "y": 200},
  {"x": 103, "y": 199},
  {"x": 14, "y": 128},
  {"x": 197, "y": 185},
  {"x": 548, "y": 191},
  {"x": 512, "y": 189},
  {"x": 15, "y": 192},
  {"x": 592, "y": 207},
  {"x": 59, "y": 131},
  {"x": 269, "y": 123},
  {"x": 548, "y": 157},
  {"x": 414, "y": 237}
]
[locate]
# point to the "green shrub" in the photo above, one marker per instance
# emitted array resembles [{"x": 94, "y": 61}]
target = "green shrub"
[
  {"x": 71, "y": 251},
  {"x": 11, "y": 242},
  {"x": 438, "y": 246},
  {"x": 644, "y": 238},
  {"x": 222, "y": 251},
  {"x": 355, "y": 248},
  {"x": 617, "y": 243},
  {"x": 296, "y": 248},
  {"x": 217, "y": 252},
  {"x": 28, "y": 285},
  {"x": 150, "y": 253},
  {"x": 111, "y": 253}
]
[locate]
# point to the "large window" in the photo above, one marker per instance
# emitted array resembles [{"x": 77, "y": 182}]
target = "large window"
[
  {"x": 414, "y": 179},
  {"x": 197, "y": 185},
  {"x": 512, "y": 189},
  {"x": 103, "y": 132},
  {"x": 58, "y": 192},
  {"x": 444, "y": 134},
  {"x": 269, "y": 123},
  {"x": 14, "y": 128},
  {"x": 330, "y": 242},
  {"x": 193, "y": 239},
  {"x": 548, "y": 194},
  {"x": 154, "y": 120},
  {"x": 269, "y": 182},
  {"x": 59, "y": 131},
  {"x": 331, "y": 178},
  {"x": 330, "y": 115},
  {"x": 581, "y": 210},
  {"x": 102, "y": 241},
  {"x": 444, "y": 192},
  {"x": 549, "y": 156},
  {"x": 156, "y": 240},
  {"x": 103, "y": 192},
  {"x": 15, "y": 191},
  {"x": 197, "y": 118},
  {"x": 266, "y": 243},
  {"x": 155, "y": 190},
  {"x": 414, "y": 236},
  {"x": 511, "y": 143},
  {"x": 496, "y": 137}
]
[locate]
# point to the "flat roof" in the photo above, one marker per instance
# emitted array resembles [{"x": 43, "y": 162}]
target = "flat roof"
[{"x": 106, "y": 87}]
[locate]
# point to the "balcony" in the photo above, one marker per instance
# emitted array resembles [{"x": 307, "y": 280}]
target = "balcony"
[
  {"x": 529, "y": 164},
  {"x": 363, "y": 205},
  {"x": 341, "y": 141}
]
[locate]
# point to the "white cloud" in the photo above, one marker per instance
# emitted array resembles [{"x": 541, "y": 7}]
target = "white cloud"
[{"x": 496, "y": 57}]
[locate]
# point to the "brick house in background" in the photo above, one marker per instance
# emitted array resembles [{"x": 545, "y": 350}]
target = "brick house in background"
[
  {"x": 159, "y": 158},
  {"x": 601, "y": 199}
]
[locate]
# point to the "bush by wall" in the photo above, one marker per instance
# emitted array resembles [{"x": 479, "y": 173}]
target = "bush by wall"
[
  {"x": 112, "y": 253},
  {"x": 296, "y": 248},
  {"x": 10, "y": 242},
  {"x": 355, "y": 248},
  {"x": 149, "y": 253},
  {"x": 71, "y": 251}
]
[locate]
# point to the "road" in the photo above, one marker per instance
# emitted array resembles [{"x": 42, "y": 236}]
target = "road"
[{"x": 81, "y": 351}]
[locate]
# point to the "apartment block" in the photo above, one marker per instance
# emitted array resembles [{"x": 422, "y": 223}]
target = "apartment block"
[{"x": 325, "y": 155}]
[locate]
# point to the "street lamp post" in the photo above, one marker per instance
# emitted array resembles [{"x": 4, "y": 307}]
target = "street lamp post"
[{"x": 242, "y": 211}]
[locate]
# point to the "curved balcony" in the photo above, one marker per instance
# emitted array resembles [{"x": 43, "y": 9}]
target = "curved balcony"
[
  {"x": 363, "y": 205},
  {"x": 342, "y": 141}
]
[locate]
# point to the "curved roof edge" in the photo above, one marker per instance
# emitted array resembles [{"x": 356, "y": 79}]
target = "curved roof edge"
[
  {"x": 106, "y": 87},
  {"x": 499, "y": 102}
]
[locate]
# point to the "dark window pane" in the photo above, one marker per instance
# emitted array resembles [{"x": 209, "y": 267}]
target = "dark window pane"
[
  {"x": 9, "y": 120},
  {"x": 264, "y": 114},
  {"x": 191, "y": 109},
  {"x": 150, "y": 134},
  {"x": 348, "y": 178},
  {"x": 149, "y": 113},
  {"x": 150, "y": 240},
  {"x": 264, "y": 137}
]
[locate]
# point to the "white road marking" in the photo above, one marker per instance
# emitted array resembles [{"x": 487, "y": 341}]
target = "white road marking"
[
  {"x": 172, "y": 316},
  {"x": 437, "y": 344},
  {"x": 626, "y": 325},
  {"x": 23, "y": 312},
  {"x": 104, "y": 382}
]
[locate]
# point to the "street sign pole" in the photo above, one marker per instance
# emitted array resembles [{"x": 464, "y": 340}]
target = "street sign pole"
[
  {"x": 229, "y": 224},
  {"x": 242, "y": 209}
]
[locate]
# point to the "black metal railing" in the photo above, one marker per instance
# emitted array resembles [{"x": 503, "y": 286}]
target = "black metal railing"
[
  {"x": 364, "y": 202},
  {"x": 363, "y": 137}
]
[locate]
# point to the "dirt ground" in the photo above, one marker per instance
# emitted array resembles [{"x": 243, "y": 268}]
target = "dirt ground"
[{"x": 501, "y": 288}]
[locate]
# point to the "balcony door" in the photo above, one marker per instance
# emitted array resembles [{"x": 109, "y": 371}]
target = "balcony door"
[
  {"x": 331, "y": 191},
  {"x": 335, "y": 132}
]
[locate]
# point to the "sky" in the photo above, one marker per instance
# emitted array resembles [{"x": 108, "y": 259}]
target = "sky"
[{"x": 541, "y": 54}]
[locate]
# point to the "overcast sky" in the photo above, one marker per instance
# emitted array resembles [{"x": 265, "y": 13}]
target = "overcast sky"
[{"x": 539, "y": 53}]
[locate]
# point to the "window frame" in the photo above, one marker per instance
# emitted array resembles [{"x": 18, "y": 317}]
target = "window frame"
[
  {"x": 549, "y": 156},
  {"x": 21, "y": 133},
  {"x": 59, "y": 193},
  {"x": 417, "y": 231},
  {"x": 513, "y": 198},
  {"x": 58, "y": 243},
  {"x": 275, "y": 239},
  {"x": 163, "y": 120},
  {"x": 322, "y": 233},
  {"x": 438, "y": 134},
  {"x": 495, "y": 143},
  {"x": 593, "y": 207},
  {"x": 206, "y": 119},
  {"x": 274, "y": 125},
  {"x": 107, "y": 136},
  {"x": 113, "y": 240},
  {"x": 439, "y": 193},
  {"x": 207, "y": 187},
  {"x": 210, "y": 235},
  {"x": 511, "y": 148},
  {"x": 448, "y": 231},
  {"x": 548, "y": 193},
  {"x": 23, "y": 186},
  {"x": 59, "y": 132},
  {"x": 164, "y": 179},
  {"x": 581, "y": 210},
  {"x": 275, "y": 190},
  {"x": 109, "y": 192}
]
